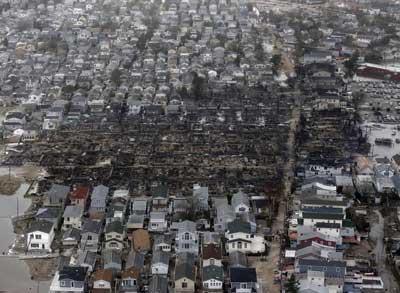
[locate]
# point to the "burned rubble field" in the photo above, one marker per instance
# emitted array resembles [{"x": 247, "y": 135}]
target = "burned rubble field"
[{"x": 240, "y": 144}]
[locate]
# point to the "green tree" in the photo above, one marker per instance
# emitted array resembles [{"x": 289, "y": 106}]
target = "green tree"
[{"x": 292, "y": 285}]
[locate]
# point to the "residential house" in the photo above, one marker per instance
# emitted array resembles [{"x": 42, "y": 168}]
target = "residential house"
[
  {"x": 98, "y": 202},
  {"x": 114, "y": 235},
  {"x": 40, "y": 236},
  {"x": 224, "y": 212},
  {"x": 160, "y": 263},
  {"x": 212, "y": 278},
  {"x": 72, "y": 217},
  {"x": 212, "y": 254},
  {"x": 112, "y": 260},
  {"x": 56, "y": 196},
  {"x": 79, "y": 196},
  {"x": 90, "y": 235},
  {"x": 69, "y": 279},
  {"x": 243, "y": 280},
  {"x": 239, "y": 238},
  {"x": 158, "y": 284},
  {"x": 240, "y": 202},
  {"x": 200, "y": 198},
  {"x": 332, "y": 269},
  {"x": 238, "y": 259},
  {"x": 158, "y": 222},
  {"x": 87, "y": 259},
  {"x": 160, "y": 198},
  {"x": 162, "y": 242},
  {"x": 49, "y": 214},
  {"x": 135, "y": 260},
  {"x": 187, "y": 239},
  {"x": 141, "y": 240},
  {"x": 185, "y": 276},
  {"x": 71, "y": 237},
  {"x": 130, "y": 281},
  {"x": 102, "y": 281}
]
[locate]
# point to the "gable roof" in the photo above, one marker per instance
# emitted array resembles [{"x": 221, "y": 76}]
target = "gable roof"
[
  {"x": 105, "y": 275},
  {"x": 42, "y": 226},
  {"x": 58, "y": 191},
  {"x": 160, "y": 257},
  {"x": 91, "y": 226},
  {"x": 243, "y": 275},
  {"x": 81, "y": 192},
  {"x": 213, "y": 272},
  {"x": 73, "y": 211},
  {"x": 185, "y": 270},
  {"x": 238, "y": 225},
  {"x": 240, "y": 198},
  {"x": 115, "y": 226},
  {"x": 212, "y": 251},
  {"x": 73, "y": 273}
]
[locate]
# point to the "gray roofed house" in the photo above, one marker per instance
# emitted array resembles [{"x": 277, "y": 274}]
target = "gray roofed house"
[
  {"x": 160, "y": 263},
  {"x": 135, "y": 260},
  {"x": 239, "y": 226},
  {"x": 332, "y": 269},
  {"x": 42, "y": 226},
  {"x": 139, "y": 206},
  {"x": 240, "y": 202},
  {"x": 200, "y": 198},
  {"x": 112, "y": 259},
  {"x": 99, "y": 199},
  {"x": 72, "y": 217},
  {"x": 91, "y": 231},
  {"x": 135, "y": 221},
  {"x": 50, "y": 214},
  {"x": 56, "y": 196},
  {"x": 69, "y": 278},
  {"x": 225, "y": 214},
  {"x": 87, "y": 259},
  {"x": 243, "y": 278},
  {"x": 185, "y": 277},
  {"x": 186, "y": 239},
  {"x": 71, "y": 237},
  {"x": 162, "y": 242},
  {"x": 238, "y": 259},
  {"x": 158, "y": 284}
]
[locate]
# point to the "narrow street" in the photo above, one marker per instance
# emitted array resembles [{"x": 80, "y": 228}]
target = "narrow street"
[
  {"x": 273, "y": 261},
  {"x": 377, "y": 235}
]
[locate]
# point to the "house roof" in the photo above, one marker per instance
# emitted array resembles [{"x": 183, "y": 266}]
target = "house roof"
[
  {"x": 100, "y": 192},
  {"x": 213, "y": 272},
  {"x": 158, "y": 284},
  {"x": 327, "y": 225},
  {"x": 212, "y": 251},
  {"x": 111, "y": 256},
  {"x": 185, "y": 270},
  {"x": 321, "y": 263},
  {"x": 48, "y": 213},
  {"x": 42, "y": 226},
  {"x": 327, "y": 216},
  {"x": 160, "y": 191},
  {"x": 106, "y": 275},
  {"x": 134, "y": 260},
  {"x": 115, "y": 226},
  {"x": 73, "y": 273},
  {"x": 240, "y": 198},
  {"x": 73, "y": 211},
  {"x": 237, "y": 259},
  {"x": 243, "y": 275},
  {"x": 160, "y": 257},
  {"x": 58, "y": 191},
  {"x": 91, "y": 226},
  {"x": 162, "y": 238},
  {"x": 238, "y": 225},
  {"x": 80, "y": 193},
  {"x": 323, "y": 202},
  {"x": 72, "y": 233},
  {"x": 130, "y": 273}
]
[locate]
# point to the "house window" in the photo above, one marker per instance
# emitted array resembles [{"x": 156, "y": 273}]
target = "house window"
[
  {"x": 186, "y": 236},
  {"x": 35, "y": 245},
  {"x": 243, "y": 285},
  {"x": 72, "y": 284},
  {"x": 62, "y": 283},
  {"x": 186, "y": 245},
  {"x": 233, "y": 244},
  {"x": 31, "y": 236},
  {"x": 239, "y": 245},
  {"x": 212, "y": 261},
  {"x": 245, "y": 245},
  {"x": 184, "y": 285},
  {"x": 38, "y": 236},
  {"x": 89, "y": 237}
]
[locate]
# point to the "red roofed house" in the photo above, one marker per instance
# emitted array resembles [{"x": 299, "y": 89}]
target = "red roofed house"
[{"x": 79, "y": 196}]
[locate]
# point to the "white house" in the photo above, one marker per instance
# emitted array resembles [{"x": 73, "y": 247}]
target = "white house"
[
  {"x": 240, "y": 202},
  {"x": 239, "y": 238},
  {"x": 40, "y": 236}
]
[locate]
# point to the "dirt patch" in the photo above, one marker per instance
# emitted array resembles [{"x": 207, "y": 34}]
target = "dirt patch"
[
  {"x": 30, "y": 172},
  {"x": 9, "y": 184},
  {"x": 42, "y": 269}
]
